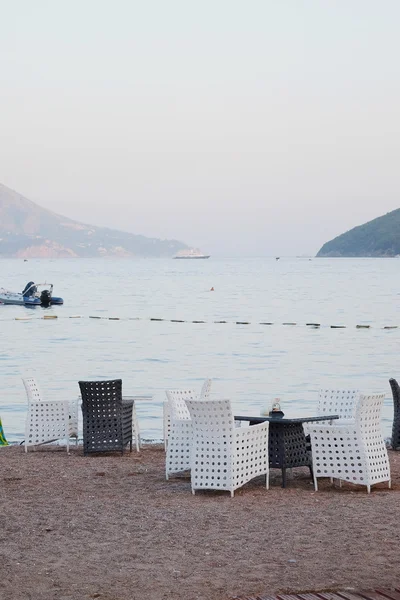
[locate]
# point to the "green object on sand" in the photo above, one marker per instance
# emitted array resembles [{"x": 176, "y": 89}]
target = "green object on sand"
[{"x": 3, "y": 441}]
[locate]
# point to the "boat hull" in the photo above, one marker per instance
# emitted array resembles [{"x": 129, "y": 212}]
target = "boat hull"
[
  {"x": 20, "y": 300},
  {"x": 191, "y": 257}
]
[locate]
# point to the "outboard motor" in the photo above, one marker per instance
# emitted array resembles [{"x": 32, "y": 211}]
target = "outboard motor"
[
  {"x": 30, "y": 289},
  {"x": 45, "y": 298}
]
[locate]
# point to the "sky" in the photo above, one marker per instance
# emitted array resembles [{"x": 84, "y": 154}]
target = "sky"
[{"x": 245, "y": 128}]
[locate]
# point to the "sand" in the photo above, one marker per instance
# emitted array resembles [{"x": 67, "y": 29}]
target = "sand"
[{"x": 111, "y": 527}]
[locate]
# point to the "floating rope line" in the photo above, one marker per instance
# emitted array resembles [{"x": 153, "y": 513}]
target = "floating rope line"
[{"x": 199, "y": 321}]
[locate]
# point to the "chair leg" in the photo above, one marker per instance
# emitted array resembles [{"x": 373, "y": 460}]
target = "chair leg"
[
  {"x": 283, "y": 478},
  {"x": 267, "y": 480},
  {"x": 137, "y": 432},
  {"x": 232, "y": 493},
  {"x": 193, "y": 491},
  {"x": 315, "y": 483},
  {"x": 368, "y": 489},
  {"x": 390, "y": 484}
]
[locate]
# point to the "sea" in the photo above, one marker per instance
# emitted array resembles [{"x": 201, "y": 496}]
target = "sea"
[{"x": 157, "y": 324}]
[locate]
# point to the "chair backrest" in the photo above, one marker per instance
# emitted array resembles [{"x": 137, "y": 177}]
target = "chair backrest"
[
  {"x": 211, "y": 418},
  {"x": 396, "y": 393},
  {"x": 205, "y": 389},
  {"x": 368, "y": 413},
  {"x": 107, "y": 426},
  {"x": 338, "y": 402},
  {"x": 32, "y": 390},
  {"x": 177, "y": 402},
  {"x": 103, "y": 398},
  {"x": 396, "y": 413}
]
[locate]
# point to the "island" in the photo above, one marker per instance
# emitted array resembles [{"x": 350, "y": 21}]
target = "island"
[
  {"x": 379, "y": 237},
  {"x": 29, "y": 231}
]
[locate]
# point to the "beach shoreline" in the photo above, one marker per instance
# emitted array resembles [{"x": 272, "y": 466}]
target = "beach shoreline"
[{"x": 111, "y": 527}]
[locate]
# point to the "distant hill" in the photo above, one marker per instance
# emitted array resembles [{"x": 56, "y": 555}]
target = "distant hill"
[
  {"x": 380, "y": 237},
  {"x": 28, "y": 231}
]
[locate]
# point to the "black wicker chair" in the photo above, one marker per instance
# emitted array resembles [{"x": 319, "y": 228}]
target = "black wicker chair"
[
  {"x": 396, "y": 414},
  {"x": 107, "y": 421}
]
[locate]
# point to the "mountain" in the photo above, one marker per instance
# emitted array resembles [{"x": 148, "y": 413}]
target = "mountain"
[
  {"x": 29, "y": 231},
  {"x": 379, "y": 237}
]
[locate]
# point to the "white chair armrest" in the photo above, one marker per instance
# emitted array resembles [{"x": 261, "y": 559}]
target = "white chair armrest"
[
  {"x": 342, "y": 422},
  {"x": 49, "y": 402},
  {"x": 349, "y": 427},
  {"x": 141, "y": 397},
  {"x": 256, "y": 428},
  {"x": 180, "y": 421}
]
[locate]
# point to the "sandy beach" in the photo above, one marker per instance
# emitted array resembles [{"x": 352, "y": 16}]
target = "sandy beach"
[{"x": 111, "y": 527}]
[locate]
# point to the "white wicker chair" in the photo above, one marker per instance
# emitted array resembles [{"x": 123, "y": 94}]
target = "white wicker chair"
[
  {"x": 34, "y": 394},
  {"x": 204, "y": 393},
  {"x": 46, "y": 421},
  {"x": 353, "y": 451},
  {"x": 225, "y": 457}
]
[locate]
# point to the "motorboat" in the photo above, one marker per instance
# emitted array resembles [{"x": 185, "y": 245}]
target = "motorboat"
[
  {"x": 33, "y": 294},
  {"x": 191, "y": 253}
]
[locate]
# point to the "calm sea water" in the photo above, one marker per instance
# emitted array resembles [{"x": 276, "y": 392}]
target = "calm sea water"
[{"x": 250, "y": 364}]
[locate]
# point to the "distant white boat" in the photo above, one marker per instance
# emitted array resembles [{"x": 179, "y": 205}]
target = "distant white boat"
[{"x": 191, "y": 253}]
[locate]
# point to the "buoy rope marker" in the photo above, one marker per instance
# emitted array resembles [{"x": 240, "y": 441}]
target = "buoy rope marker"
[{"x": 195, "y": 321}]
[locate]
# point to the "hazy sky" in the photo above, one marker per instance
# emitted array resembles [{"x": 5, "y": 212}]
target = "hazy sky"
[{"x": 245, "y": 127}]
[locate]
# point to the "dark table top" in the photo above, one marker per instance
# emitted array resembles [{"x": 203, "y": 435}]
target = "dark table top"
[{"x": 284, "y": 420}]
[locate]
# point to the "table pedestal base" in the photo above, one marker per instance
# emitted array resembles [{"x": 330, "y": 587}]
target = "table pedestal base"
[{"x": 287, "y": 447}]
